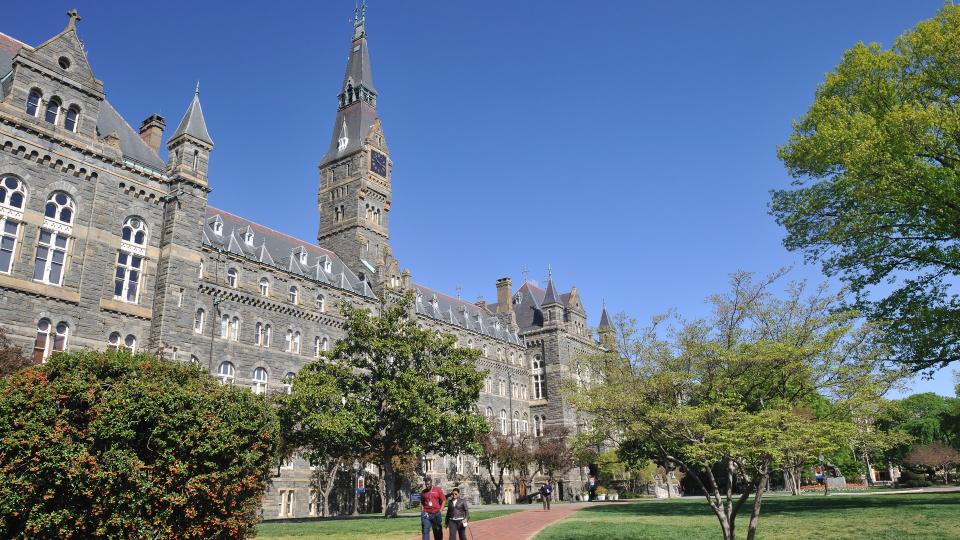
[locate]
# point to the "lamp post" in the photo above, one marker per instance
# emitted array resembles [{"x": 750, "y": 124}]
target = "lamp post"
[{"x": 356, "y": 486}]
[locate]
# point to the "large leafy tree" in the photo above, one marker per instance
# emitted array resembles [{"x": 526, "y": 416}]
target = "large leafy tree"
[
  {"x": 724, "y": 398},
  {"x": 108, "y": 445},
  {"x": 388, "y": 389},
  {"x": 876, "y": 196}
]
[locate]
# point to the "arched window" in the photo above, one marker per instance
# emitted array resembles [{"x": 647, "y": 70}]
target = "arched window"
[
  {"x": 194, "y": 360},
  {"x": 130, "y": 343},
  {"x": 218, "y": 228},
  {"x": 113, "y": 342},
  {"x": 232, "y": 275},
  {"x": 525, "y": 424},
  {"x": 134, "y": 231},
  {"x": 258, "y": 333},
  {"x": 248, "y": 238},
  {"x": 235, "y": 329},
  {"x": 259, "y": 381},
  {"x": 538, "y": 372},
  {"x": 294, "y": 294},
  {"x": 288, "y": 382},
  {"x": 225, "y": 326},
  {"x": 288, "y": 340},
  {"x": 12, "y": 192},
  {"x": 267, "y": 335},
  {"x": 321, "y": 303},
  {"x": 225, "y": 372},
  {"x": 70, "y": 120},
  {"x": 489, "y": 414},
  {"x": 201, "y": 270},
  {"x": 264, "y": 287},
  {"x": 317, "y": 347},
  {"x": 500, "y": 354},
  {"x": 537, "y": 426},
  {"x": 50, "y": 340},
  {"x": 198, "y": 321},
  {"x": 516, "y": 421},
  {"x": 53, "y": 111},
  {"x": 59, "y": 208},
  {"x": 296, "y": 342},
  {"x": 126, "y": 285},
  {"x": 502, "y": 388},
  {"x": 503, "y": 421},
  {"x": 33, "y": 102},
  {"x": 324, "y": 344}
]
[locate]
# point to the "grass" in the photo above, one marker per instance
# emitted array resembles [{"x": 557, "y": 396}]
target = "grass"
[
  {"x": 892, "y": 517},
  {"x": 403, "y": 527}
]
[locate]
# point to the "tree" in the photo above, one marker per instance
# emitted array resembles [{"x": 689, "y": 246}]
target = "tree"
[
  {"x": 935, "y": 455},
  {"x": 876, "y": 163},
  {"x": 551, "y": 451},
  {"x": 720, "y": 397},
  {"x": 388, "y": 389},
  {"x": 500, "y": 452},
  {"x": 111, "y": 445},
  {"x": 12, "y": 358}
]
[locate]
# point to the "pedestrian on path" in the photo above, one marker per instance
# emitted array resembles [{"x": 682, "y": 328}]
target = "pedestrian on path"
[
  {"x": 545, "y": 491},
  {"x": 431, "y": 501},
  {"x": 458, "y": 514}
]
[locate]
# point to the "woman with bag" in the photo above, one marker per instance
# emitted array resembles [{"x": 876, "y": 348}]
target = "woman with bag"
[{"x": 458, "y": 514}]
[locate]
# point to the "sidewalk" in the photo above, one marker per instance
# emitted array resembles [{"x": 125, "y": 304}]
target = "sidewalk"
[{"x": 518, "y": 525}]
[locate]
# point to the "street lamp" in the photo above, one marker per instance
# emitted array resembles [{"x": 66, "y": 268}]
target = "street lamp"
[{"x": 356, "y": 486}]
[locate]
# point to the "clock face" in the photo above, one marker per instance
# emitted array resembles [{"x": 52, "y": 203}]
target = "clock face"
[{"x": 378, "y": 163}]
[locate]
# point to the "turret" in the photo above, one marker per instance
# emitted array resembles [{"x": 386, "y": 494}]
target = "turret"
[{"x": 190, "y": 145}]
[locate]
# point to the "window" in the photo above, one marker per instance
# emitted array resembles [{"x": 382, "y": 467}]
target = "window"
[
  {"x": 537, "y": 426},
  {"x": 258, "y": 333},
  {"x": 51, "y": 257},
  {"x": 225, "y": 372},
  {"x": 12, "y": 193},
  {"x": 201, "y": 270},
  {"x": 489, "y": 415},
  {"x": 232, "y": 277},
  {"x": 288, "y": 382},
  {"x": 198, "y": 321},
  {"x": 525, "y": 424},
  {"x": 321, "y": 303},
  {"x": 516, "y": 422},
  {"x": 428, "y": 465},
  {"x": 296, "y": 342},
  {"x": 235, "y": 329},
  {"x": 288, "y": 340},
  {"x": 49, "y": 341},
  {"x": 9, "y": 232},
  {"x": 196, "y": 159},
  {"x": 53, "y": 111},
  {"x": 33, "y": 102},
  {"x": 70, "y": 120},
  {"x": 130, "y": 343},
  {"x": 59, "y": 208},
  {"x": 488, "y": 385},
  {"x": 134, "y": 231},
  {"x": 538, "y": 372},
  {"x": 294, "y": 294},
  {"x": 503, "y": 421},
  {"x": 113, "y": 342},
  {"x": 248, "y": 238},
  {"x": 500, "y": 354},
  {"x": 502, "y": 388},
  {"x": 267, "y": 335},
  {"x": 127, "y": 277},
  {"x": 225, "y": 326},
  {"x": 317, "y": 346},
  {"x": 303, "y": 256},
  {"x": 218, "y": 227},
  {"x": 259, "y": 381},
  {"x": 286, "y": 503},
  {"x": 264, "y": 287},
  {"x": 194, "y": 360}
]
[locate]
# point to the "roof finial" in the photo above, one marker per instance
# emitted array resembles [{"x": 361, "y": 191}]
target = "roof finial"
[
  {"x": 549, "y": 271},
  {"x": 196, "y": 90},
  {"x": 74, "y": 18},
  {"x": 359, "y": 19},
  {"x": 459, "y": 291},
  {"x": 526, "y": 273}
]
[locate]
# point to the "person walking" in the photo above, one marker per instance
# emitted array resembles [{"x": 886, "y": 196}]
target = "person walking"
[
  {"x": 431, "y": 501},
  {"x": 545, "y": 491},
  {"x": 458, "y": 514}
]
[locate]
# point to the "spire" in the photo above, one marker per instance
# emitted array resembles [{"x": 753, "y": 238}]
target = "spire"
[
  {"x": 357, "y": 98},
  {"x": 605, "y": 318},
  {"x": 550, "y": 297},
  {"x": 193, "y": 123}
]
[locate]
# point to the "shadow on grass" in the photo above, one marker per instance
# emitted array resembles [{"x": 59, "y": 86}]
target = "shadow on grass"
[
  {"x": 365, "y": 517},
  {"x": 779, "y": 505}
]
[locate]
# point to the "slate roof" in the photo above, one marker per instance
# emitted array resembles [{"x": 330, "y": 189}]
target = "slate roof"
[
  {"x": 8, "y": 49},
  {"x": 462, "y": 313},
  {"x": 193, "y": 123},
  {"x": 550, "y": 296},
  {"x": 357, "y": 118},
  {"x": 605, "y": 319},
  {"x": 279, "y": 250}
]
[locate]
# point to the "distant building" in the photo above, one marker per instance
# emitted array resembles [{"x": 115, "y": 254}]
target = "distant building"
[{"x": 106, "y": 244}]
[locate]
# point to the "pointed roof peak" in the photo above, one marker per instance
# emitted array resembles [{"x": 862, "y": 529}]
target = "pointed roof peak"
[
  {"x": 605, "y": 318},
  {"x": 193, "y": 123},
  {"x": 551, "y": 296}
]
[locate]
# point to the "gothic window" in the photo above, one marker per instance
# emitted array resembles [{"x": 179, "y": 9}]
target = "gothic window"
[
  {"x": 258, "y": 333},
  {"x": 537, "y": 371},
  {"x": 503, "y": 421},
  {"x": 317, "y": 347},
  {"x": 297, "y": 340},
  {"x": 488, "y": 385},
  {"x": 129, "y": 261},
  {"x": 264, "y": 287},
  {"x": 52, "y": 113},
  {"x": 9, "y": 232},
  {"x": 288, "y": 382},
  {"x": 194, "y": 360},
  {"x": 232, "y": 277},
  {"x": 288, "y": 340},
  {"x": 500, "y": 354},
  {"x": 70, "y": 120},
  {"x": 294, "y": 294},
  {"x": 259, "y": 381},
  {"x": 516, "y": 421},
  {"x": 33, "y": 102},
  {"x": 196, "y": 159},
  {"x": 225, "y": 372},
  {"x": 201, "y": 270},
  {"x": 198, "y": 321},
  {"x": 134, "y": 231},
  {"x": 59, "y": 208},
  {"x": 537, "y": 426},
  {"x": 51, "y": 257},
  {"x": 130, "y": 343},
  {"x": 113, "y": 342},
  {"x": 50, "y": 340},
  {"x": 321, "y": 303},
  {"x": 267, "y": 335},
  {"x": 235, "y": 329},
  {"x": 501, "y": 388},
  {"x": 525, "y": 424},
  {"x": 489, "y": 414},
  {"x": 12, "y": 192}
]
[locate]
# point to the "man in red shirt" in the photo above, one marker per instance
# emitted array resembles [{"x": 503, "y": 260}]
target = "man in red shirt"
[{"x": 431, "y": 501}]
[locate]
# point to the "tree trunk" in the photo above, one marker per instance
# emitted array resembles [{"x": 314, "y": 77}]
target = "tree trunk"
[
  {"x": 755, "y": 513},
  {"x": 389, "y": 488},
  {"x": 327, "y": 486}
]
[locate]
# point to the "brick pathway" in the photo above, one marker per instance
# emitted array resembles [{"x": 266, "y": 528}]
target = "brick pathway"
[{"x": 521, "y": 525}]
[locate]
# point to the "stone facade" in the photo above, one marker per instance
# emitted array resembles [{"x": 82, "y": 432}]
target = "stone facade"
[{"x": 106, "y": 244}]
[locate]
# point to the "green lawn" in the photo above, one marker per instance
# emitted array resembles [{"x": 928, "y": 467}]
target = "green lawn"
[
  {"x": 894, "y": 517},
  {"x": 364, "y": 527}
]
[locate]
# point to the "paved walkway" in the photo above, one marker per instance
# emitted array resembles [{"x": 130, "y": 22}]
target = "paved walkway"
[{"x": 521, "y": 525}]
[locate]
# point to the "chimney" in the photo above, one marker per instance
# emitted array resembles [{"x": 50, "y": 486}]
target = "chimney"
[
  {"x": 151, "y": 131},
  {"x": 504, "y": 295}
]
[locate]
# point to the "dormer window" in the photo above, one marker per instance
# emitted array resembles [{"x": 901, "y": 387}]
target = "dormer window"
[
  {"x": 217, "y": 227},
  {"x": 344, "y": 139},
  {"x": 248, "y": 238},
  {"x": 303, "y": 256},
  {"x": 327, "y": 266},
  {"x": 517, "y": 298},
  {"x": 33, "y": 102},
  {"x": 433, "y": 302}
]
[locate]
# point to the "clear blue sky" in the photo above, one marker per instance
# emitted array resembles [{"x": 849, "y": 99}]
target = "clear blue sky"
[{"x": 630, "y": 145}]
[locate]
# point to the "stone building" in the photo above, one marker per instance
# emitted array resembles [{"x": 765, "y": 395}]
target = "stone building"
[{"x": 108, "y": 241}]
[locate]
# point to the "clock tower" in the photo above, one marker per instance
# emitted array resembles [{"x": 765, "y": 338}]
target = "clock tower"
[{"x": 354, "y": 196}]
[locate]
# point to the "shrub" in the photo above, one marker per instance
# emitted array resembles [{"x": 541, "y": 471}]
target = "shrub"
[
  {"x": 118, "y": 446},
  {"x": 628, "y": 495}
]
